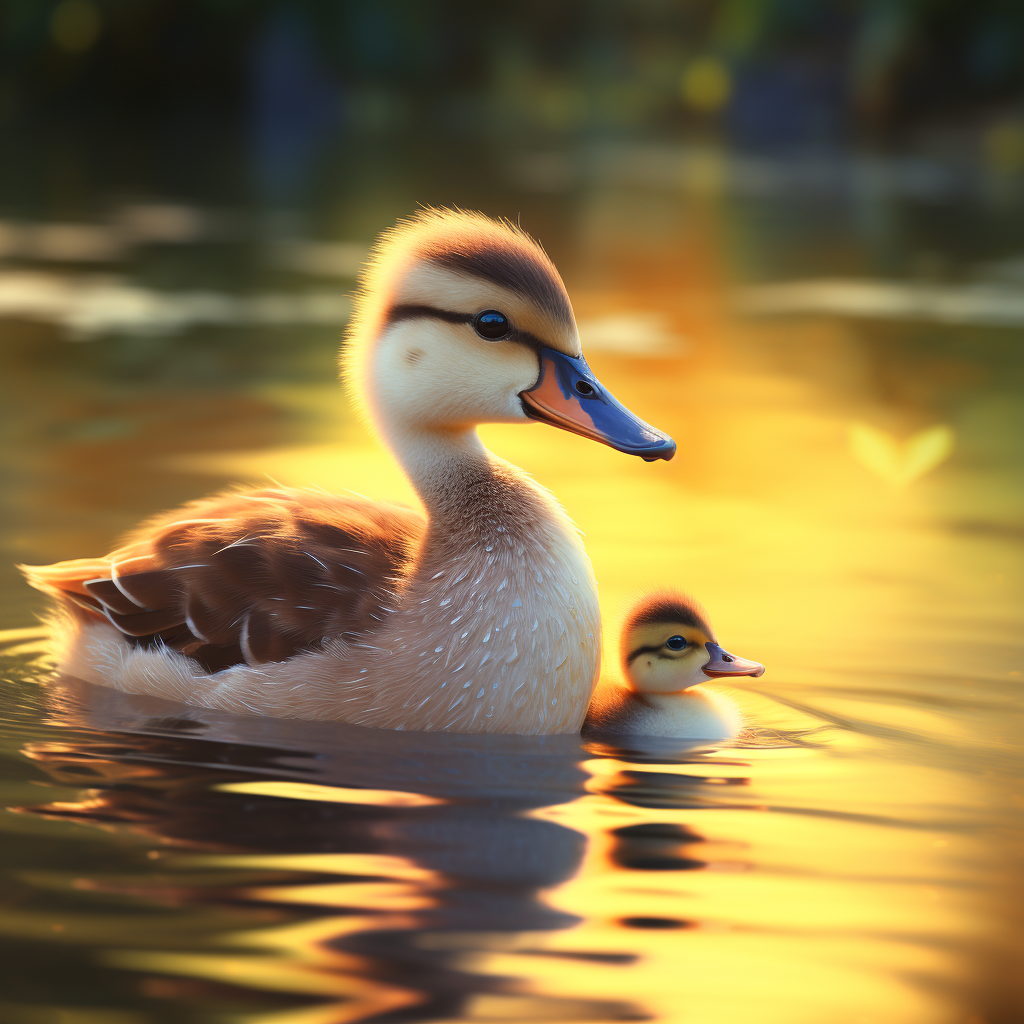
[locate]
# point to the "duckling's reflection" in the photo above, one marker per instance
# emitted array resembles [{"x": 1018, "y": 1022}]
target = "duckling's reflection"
[
  {"x": 666, "y": 846},
  {"x": 447, "y": 807},
  {"x": 657, "y": 846},
  {"x": 675, "y": 790}
]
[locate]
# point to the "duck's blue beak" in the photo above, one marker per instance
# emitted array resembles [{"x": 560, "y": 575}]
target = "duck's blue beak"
[{"x": 568, "y": 395}]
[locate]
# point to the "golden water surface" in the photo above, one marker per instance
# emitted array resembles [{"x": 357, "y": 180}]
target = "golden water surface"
[{"x": 846, "y": 502}]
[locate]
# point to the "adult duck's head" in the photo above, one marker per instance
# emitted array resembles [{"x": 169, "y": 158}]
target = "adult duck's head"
[
  {"x": 462, "y": 320},
  {"x": 668, "y": 645}
]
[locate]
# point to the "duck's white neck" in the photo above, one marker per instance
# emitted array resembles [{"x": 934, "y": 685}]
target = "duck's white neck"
[
  {"x": 497, "y": 626},
  {"x": 440, "y": 463}
]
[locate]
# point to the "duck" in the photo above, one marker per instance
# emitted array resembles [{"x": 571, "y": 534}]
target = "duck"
[
  {"x": 477, "y": 614},
  {"x": 668, "y": 650}
]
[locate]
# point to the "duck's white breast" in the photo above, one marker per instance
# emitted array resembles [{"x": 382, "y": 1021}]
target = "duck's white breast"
[{"x": 500, "y": 635}]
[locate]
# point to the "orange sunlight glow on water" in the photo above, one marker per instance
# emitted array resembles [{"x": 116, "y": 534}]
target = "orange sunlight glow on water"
[
  {"x": 841, "y": 582},
  {"x": 852, "y": 858}
]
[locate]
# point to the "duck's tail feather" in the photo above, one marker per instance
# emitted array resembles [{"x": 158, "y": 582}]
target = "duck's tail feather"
[{"x": 67, "y": 581}]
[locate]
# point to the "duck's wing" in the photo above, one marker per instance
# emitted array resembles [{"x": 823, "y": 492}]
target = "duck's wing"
[{"x": 254, "y": 576}]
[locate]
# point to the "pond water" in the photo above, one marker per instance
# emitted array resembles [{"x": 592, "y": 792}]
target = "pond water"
[{"x": 842, "y": 366}]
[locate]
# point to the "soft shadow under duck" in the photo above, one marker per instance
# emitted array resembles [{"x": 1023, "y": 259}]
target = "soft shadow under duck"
[
  {"x": 482, "y": 617},
  {"x": 668, "y": 646}
]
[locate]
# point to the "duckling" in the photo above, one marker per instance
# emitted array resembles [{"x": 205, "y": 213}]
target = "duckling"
[
  {"x": 668, "y": 647},
  {"x": 480, "y": 616}
]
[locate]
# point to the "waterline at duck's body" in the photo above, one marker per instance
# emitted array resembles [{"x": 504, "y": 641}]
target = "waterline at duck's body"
[{"x": 497, "y": 629}]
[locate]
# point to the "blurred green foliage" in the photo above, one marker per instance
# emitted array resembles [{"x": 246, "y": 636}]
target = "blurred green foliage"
[{"x": 214, "y": 87}]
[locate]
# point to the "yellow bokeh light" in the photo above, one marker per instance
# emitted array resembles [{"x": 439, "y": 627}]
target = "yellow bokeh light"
[
  {"x": 706, "y": 85},
  {"x": 75, "y": 25},
  {"x": 1004, "y": 147}
]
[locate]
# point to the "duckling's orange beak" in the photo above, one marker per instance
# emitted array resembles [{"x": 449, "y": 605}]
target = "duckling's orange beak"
[
  {"x": 723, "y": 664},
  {"x": 568, "y": 395}
]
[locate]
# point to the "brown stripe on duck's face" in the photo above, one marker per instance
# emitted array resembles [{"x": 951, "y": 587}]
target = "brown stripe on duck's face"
[
  {"x": 457, "y": 350},
  {"x": 472, "y": 324},
  {"x": 431, "y": 290}
]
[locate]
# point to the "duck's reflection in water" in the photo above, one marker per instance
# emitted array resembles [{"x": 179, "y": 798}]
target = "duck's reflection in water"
[{"x": 389, "y": 861}]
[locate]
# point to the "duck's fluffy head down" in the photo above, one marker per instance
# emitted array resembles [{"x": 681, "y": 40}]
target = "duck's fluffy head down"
[{"x": 412, "y": 352}]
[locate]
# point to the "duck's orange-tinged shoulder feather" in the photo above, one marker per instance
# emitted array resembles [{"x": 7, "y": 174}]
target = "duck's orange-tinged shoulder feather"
[{"x": 250, "y": 576}]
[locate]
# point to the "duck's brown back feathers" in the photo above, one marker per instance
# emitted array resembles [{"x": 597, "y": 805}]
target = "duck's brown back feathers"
[{"x": 248, "y": 577}]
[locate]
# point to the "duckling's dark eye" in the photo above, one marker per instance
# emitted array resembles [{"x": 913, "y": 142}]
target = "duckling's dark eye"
[
  {"x": 492, "y": 325},
  {"x": 675, "y": 643}
]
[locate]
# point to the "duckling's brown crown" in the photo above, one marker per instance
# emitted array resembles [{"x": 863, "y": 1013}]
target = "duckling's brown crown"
[{"x": 669, "y": 607}]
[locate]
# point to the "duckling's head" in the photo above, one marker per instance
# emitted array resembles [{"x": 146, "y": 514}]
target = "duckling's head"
[
  {"x": 460, "y": 320},
  {"x": 668, "y": 646}
]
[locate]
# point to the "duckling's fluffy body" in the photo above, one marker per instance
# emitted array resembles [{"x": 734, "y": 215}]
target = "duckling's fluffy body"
[
  {"x": 698, "y": 714},
  {"x": 481, "y": 616}
]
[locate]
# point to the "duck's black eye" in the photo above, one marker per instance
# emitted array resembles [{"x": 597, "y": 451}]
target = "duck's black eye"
[
  {"x": 492, "y": 325},
  {"x": 675, "y": 643}
]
